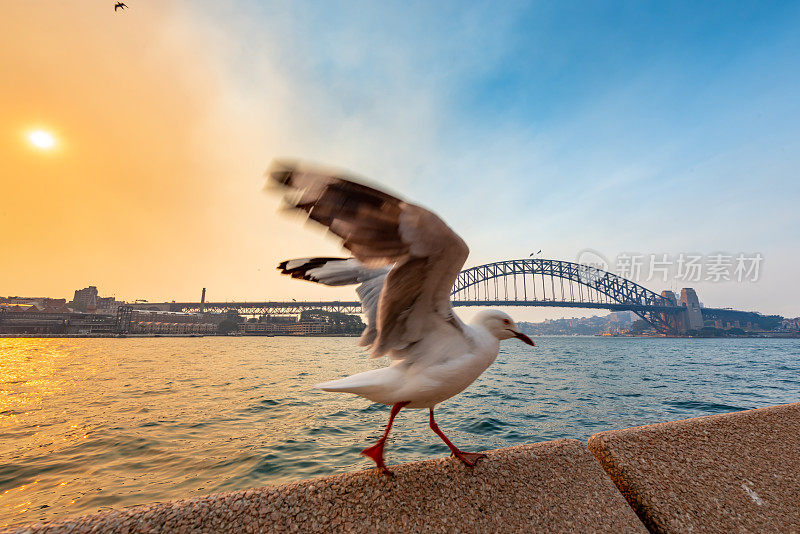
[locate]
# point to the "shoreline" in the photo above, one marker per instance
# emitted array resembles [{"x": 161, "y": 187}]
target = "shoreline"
[
  {"x": 48, "y": 336},
  {"x": 111, "y": 336}
]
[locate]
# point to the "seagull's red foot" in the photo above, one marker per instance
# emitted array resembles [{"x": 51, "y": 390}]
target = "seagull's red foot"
[
  {"x": 469, "y": 458},
  {"x": 376, "y": 453}
]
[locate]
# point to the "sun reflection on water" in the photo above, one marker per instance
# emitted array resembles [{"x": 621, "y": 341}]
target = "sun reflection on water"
[
  {"x": 91, "y": 423},
  {"x": 35, "y": 377}
]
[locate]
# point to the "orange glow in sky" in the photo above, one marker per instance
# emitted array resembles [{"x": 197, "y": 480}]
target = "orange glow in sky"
[{"x": 160, "y": 193}]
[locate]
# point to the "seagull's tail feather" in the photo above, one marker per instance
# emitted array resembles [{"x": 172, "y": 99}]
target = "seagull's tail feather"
[{"x": 367, "y": 384}]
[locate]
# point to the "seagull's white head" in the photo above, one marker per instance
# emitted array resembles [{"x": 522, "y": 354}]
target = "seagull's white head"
[{"x": 500, "y": 325}]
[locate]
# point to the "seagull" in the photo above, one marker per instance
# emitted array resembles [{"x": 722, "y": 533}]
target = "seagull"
[
  {"x": 405, "y": 260},
  {"x": 119, "y": 5}
]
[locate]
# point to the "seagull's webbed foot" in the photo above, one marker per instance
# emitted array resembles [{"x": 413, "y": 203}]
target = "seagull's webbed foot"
[
  {"x": 376, "y": 453},
  {"x": 468, "y": 458}
]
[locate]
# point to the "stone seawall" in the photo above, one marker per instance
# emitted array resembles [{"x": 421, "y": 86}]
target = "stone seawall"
[
  {"x": 555, "y": 486},
  {"x": 737, "y": 472}
]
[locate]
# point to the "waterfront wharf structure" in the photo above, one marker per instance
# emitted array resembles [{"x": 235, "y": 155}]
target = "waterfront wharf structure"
[
  {"x": 734, "y": 472},
  {"x": 125, "y": 321}
]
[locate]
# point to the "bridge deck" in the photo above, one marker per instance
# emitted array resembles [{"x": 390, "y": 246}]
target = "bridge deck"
[{"x": 295, "y": 307}]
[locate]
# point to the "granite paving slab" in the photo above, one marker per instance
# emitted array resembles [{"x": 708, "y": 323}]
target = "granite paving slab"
[{"x": 735, "y": 472}]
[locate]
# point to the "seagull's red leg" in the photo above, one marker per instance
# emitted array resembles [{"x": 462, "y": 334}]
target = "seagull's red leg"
[
  {"x": 469, "y": 458},
  {"x": 376, "y": 451}
]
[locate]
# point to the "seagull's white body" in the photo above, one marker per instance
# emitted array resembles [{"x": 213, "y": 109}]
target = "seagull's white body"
[
  {"x": 443, "y": 364},
  {"x": 405, "y": 262}
]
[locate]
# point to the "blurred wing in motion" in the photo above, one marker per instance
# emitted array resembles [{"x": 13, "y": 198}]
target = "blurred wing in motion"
[
  {"x": 343, "y": 272},
  {"x": 379, "y": 230}
]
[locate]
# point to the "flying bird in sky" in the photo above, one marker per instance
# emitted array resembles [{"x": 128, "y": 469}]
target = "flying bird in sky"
[
  {"x": 119, "y": 5},
  {"x": 405, "y": 260}
]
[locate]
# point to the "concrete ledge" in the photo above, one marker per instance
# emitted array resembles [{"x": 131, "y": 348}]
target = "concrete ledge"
[
  {"x": 737, "y": 472},
  {"x": 555, "y": 486}
]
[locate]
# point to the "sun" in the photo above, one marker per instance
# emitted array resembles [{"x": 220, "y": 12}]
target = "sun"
[{"x": 42, "y": 139}]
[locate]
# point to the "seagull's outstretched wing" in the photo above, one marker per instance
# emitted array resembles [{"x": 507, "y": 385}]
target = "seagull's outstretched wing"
[
  {"x": 380, "y": 229},
  {"x": 344, "y": 272}
]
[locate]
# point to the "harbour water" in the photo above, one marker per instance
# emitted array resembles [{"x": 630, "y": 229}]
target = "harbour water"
[{"x": 88, "y": 424}]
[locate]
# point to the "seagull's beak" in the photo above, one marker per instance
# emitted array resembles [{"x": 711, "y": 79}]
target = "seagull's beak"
[{"x": 522, "y": 337}]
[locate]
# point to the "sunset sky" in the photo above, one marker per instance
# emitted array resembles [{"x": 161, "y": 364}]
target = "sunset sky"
[{"x": 616, "y": 126}]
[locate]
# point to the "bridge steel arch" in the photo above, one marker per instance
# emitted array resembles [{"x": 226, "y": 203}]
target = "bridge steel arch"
[{"x": 543, "y": 282}]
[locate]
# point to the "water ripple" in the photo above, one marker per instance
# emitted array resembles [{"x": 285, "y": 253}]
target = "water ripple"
[{"x": 86, "y": 424}]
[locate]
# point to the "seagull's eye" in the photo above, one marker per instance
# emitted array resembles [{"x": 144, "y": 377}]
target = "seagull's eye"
[{"x": 506, "y": 321}]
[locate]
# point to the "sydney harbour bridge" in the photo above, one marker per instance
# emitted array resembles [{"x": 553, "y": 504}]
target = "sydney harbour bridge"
[{"x": 524, "y": 282}]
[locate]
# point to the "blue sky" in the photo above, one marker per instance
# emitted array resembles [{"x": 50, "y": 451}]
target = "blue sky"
[{"x": 618, "y": 126}]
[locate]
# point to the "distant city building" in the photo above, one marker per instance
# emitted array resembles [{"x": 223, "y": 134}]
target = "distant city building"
[
  {"x": 53, "y": 306},
  {"x": 160, "y": 322},
  {"x": 298, "y": 328},
  {"x": 622, "y": 317},
  {"x": 37, "y": 304},
  {"x": 108, "y": 305},
  {"x": 613, "y": 322},
  {"x": 88, "y": 300},
  {"x": 310, "y": 323},
  {"x": 85, "y": 299},
  {"x": 32, "y": 320},
  {"x": 792, "y": 325}
]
